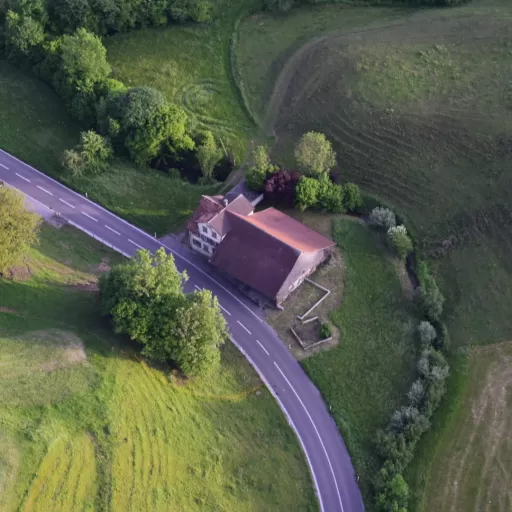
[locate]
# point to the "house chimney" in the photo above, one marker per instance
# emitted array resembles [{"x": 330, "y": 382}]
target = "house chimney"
[{"x": 225, "y": 202}]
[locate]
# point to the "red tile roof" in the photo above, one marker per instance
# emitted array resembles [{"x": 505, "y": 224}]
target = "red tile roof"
[
  {"x": 289, "y": 231},
  {"x": 261, "y": 250}
]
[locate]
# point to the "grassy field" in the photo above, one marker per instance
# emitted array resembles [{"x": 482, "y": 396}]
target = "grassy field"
[
  {"x": 418, "y": 104},
  {"x": 35, "y": 127},
  {"x": 472, "y": 460},
  {"x": 191, "y": 64},
  {"x": 366, "y": 376},
  {"x": 87, "y": 425}
]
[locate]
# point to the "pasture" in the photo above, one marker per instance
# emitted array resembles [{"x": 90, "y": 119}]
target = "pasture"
[
  {"x": 85, "y": 424},
  {"x": 471, "y": 463},
  {"x": 417, "y": 104}
]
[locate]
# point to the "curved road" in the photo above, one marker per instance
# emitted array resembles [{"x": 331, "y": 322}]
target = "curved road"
[{"x": 301, "y": 402}]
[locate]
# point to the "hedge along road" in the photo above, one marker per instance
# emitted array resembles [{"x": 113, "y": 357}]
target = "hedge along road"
[{"x": 328, "y": 459}]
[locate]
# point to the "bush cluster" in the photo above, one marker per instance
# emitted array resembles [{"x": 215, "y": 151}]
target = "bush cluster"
[
  {"x": 396, "y": 444},
  {"x": 323, "y": 194},
  {"x": 110, "y": 16},
  {"x": 58, "y": 41},
  {"x": 382, "y": 218}
]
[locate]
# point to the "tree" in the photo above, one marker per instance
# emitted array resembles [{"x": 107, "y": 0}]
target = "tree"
[
  {"x": 382, "y": 218},
  {"x": 199, "y": 332},
  {"x": 280, "y": 187},
  {"x": 307, "y": 192},
  {"x": 259, "y": 171},
  {"x": 426, "y": 333},
  {"x": 22, "y": 33},
  {"x": 146, "y": 301},
  {"x": 84, "y": 62},
  {"x": 352, "y": 197},
  {"x": 428, "y": 296},
  {"x": 399, "y": 241},
  {"x": 395, "y": 496},
  {"x": 147, "y": 123},
  {"x": 314, "y": 154},
  {"x": 91, "y": 156},
  {"x": 208, "y": 154},
  {"x": 18, "y": 228}
]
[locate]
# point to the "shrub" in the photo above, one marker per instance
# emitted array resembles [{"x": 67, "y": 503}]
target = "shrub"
[
  {"x": 428, "y": 296},
  {"x": 330, "y": 196},
  {"x": 382, "y": 218},
  {"x": 18, "y": 228},
  {"x": 399, "y": 241},
  {"x": 427, "y": 333},
  {"x": 261, "y": 168},
  {"x": 208, "y": 154},
  {"x": 352, "y": 197},
  {"x": 307, "y": 193},
  {"x": 280, "y": 187},
  {"x": 314, "y": 154},
  {"x": 91, "y": 156},
  {"x": 325, "y": 331},
  {"x": 416, "y": 393},
  {"x": 394, "y": 497}
]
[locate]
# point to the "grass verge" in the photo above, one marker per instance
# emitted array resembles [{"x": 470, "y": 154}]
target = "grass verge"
[
  {"x": 85, "y": 424},
  {"x": 366, "y": 376}
]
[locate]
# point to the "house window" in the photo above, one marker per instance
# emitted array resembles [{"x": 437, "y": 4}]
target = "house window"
[
  {"x": 205, "y": 229},
  {"x": 196, "y": 242},
  {"x": 206, "y": 248},
  {"x": 214, "y": 235}
]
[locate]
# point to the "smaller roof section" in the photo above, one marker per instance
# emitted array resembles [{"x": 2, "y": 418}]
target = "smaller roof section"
[
  {"x": 207, "y": 209},
  {"x": 289, "y": 231},
  {"x": 240, "y": 205}
]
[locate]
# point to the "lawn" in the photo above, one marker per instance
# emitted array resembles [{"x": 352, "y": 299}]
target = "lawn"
[
  {"x": 365, "y": 378},
  {"x": 35, "y": 127},
  {"x": 85, "y": 424},
  {"x": 471, "y": 461},
  {"x": 191, "y": 64}
]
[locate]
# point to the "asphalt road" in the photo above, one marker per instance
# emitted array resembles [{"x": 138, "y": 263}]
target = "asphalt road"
[{"x": 325, "y": 451}]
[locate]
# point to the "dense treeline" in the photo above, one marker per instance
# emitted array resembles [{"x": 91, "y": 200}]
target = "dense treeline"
[
  {"x": 59, "y": 40},
  {"x": 108, "y": 16},
  {"x": 285, "y": 5}
]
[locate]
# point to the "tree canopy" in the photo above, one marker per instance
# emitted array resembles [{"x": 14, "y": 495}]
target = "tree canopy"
[
  {"x": 18, "y": 228},
  {"x": 145, "y": 299},
  {"x": 314, "y": 154},
  {"x": 84, "y": 60}
]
